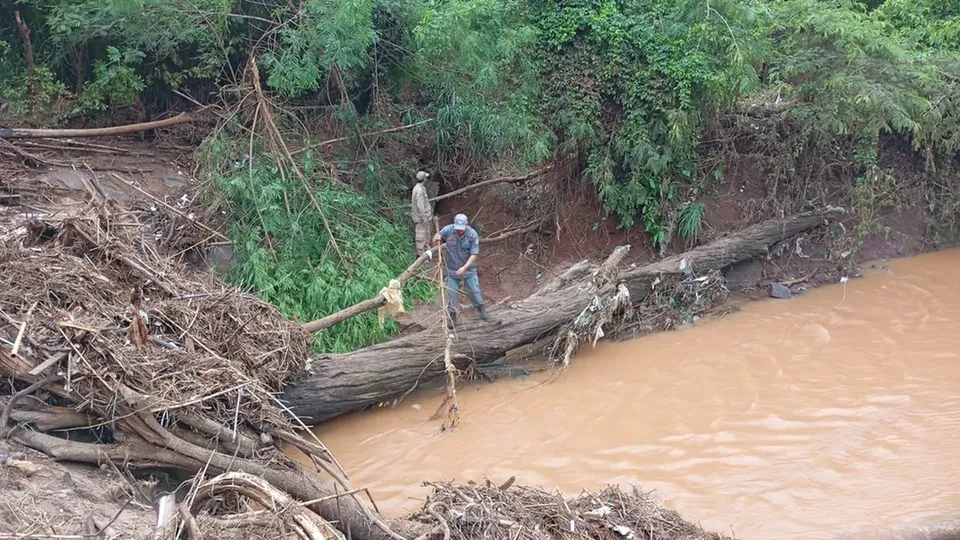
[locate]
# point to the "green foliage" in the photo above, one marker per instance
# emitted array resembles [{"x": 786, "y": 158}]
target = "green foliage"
[
  {"x": 634, "y": 83},
  {"x": 330, "y": 33},
  {"x": 627, "y": 88},
  {"x": 475, "y": 58},
  {"x": 690, "y": 218},
  {"x": 32, "y": 96},
  {"x": 283, "y": 251},
  {"x": 115, "y": 81}
]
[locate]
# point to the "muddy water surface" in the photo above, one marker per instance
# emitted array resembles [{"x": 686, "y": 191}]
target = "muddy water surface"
[{"x": 791, "y": 419}]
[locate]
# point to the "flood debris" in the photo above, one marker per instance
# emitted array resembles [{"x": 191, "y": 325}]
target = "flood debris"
[
  {"x": 102, "y": 326},
  {"x": 513, "y": 512}
]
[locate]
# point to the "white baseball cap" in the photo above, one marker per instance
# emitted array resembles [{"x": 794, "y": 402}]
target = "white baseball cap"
[
  {"x": 460, "y": 222},
  {"x": 422, "y": 175}
]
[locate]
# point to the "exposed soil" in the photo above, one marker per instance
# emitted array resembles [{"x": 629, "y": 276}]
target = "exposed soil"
[{"x": 63, "y": 499}]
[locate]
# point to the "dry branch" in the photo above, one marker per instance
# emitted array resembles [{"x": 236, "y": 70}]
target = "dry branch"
[
  {"x": 18, "y": 133},
  {"x": 366, "y": 305},
  {"x": 173, "y": 209},
  {"x": 467, "y": 512},
  {"x": 387, "y": 371},
  {"x": 492, "y": 181},
  {"x": 216, "y": 396},
  {"x": 328, "y": 142}
]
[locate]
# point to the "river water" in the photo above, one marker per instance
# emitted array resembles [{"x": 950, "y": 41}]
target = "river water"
[{"x": 804, "y": 418}]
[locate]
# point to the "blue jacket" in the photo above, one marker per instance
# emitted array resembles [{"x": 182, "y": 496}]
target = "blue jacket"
[{"x": 460, "y": 248}]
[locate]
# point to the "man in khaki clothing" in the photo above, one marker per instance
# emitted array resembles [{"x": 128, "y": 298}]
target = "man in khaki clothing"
[{"x": 422, "y": 213}]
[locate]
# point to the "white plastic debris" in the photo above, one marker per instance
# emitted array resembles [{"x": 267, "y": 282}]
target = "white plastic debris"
[
  {"x": 598, "y": 334},
  {"x": 415, "y": 406},
  {"x": 573, "y": 526},
  {"x": 624, "y": 531},
  {"x": 599, "y": 512}
]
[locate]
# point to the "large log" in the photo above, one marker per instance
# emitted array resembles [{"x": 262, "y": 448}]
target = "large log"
[{"x": 385, "y": 372}]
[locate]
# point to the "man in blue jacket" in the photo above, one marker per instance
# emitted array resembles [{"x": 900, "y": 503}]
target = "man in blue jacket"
[{"x": 463, "y": 248}]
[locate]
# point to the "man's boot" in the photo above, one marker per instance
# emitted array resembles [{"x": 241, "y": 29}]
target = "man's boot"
[
  {"x": 483, "y": 312},
  {"x": 451, "y": 319}
]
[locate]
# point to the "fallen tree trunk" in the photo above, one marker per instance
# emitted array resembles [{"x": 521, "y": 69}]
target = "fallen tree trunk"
[
  {"x": 388, "y": 371},
  {"x": 15, "y": 133}
]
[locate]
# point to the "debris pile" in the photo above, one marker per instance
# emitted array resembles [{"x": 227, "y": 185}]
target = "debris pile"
[
  {"x": 512, "y": 512},
  {"x": 104, "y": 332}
]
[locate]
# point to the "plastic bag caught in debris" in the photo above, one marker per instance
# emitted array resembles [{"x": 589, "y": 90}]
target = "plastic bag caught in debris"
[{"x": 394, "y": 297}]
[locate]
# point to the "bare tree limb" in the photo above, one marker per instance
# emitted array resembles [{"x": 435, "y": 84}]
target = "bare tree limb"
[
  {"x": 492, "y": 181},
  {"x": 16, "y": 133},
  {"x": 362, "y": 307}
]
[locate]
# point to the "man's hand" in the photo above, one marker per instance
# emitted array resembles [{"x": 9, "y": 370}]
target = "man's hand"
[
  {"x": 461, "y": 271},
  {"x": 436, "y": 238}
]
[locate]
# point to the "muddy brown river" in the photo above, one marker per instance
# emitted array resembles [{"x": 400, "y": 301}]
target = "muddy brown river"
[{"x": 794, "y": 419}]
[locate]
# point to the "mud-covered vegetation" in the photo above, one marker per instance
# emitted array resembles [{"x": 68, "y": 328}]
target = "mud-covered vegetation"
[{"x": 650, "y": 100}]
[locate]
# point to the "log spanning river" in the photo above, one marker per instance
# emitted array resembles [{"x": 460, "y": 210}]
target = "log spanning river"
[{"x": 804, "y": 418}]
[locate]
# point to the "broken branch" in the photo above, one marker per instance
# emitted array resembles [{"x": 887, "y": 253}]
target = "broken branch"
[
  {"x": 18, "y": 133},
  {"x": 366, "y": 305},
  {"x": 503, "y": 180}
]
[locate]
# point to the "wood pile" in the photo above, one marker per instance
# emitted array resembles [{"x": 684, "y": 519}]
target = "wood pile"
[{"x": 162, "y": 368}]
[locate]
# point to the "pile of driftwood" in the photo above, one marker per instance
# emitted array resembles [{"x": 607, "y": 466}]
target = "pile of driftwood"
[
  {"x": 511, "y": 512},
  {"x": 112, "y": 353}
]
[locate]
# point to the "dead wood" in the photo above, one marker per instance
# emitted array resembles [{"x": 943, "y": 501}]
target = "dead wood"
[
  {"x": 21, "y": 133},
  {"x": 173, "y": 209},
  {"x": 328, "y": 142},
  {"x": 8, "y": 409},
  {"x": 49, "y": 421},
  {"x": 366, "y": 305},
  {"x": 492, "y": 181},
  {"x": 466, "y": 512},
  {"x": 72, "y": 148},
  {"x": 28, "y": 158},
  {"x": 303, "y": 521},
  {"x": 166, "y": 517},
  {"x": 516, "y": 231},
  {"x": 387, "y": 371},
  {"x": 216, "y": 397},
  {"x": 190, "y": 522}
]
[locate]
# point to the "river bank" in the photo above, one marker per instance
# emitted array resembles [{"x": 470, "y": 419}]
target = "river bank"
[
  {"x": 162, "y": 197},
  {"x": 825, "y": 414}
]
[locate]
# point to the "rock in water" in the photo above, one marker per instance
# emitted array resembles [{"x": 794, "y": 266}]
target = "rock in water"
[{"x": 780, "y": 291}]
